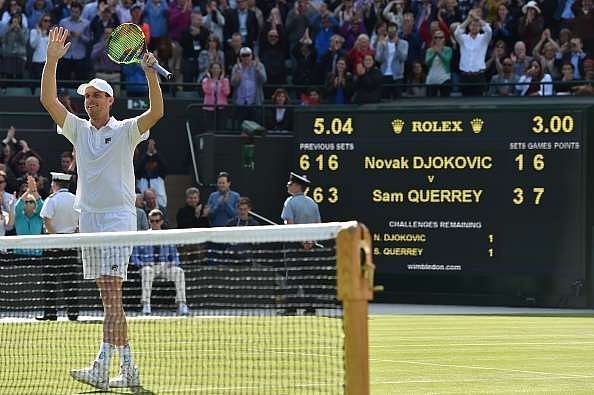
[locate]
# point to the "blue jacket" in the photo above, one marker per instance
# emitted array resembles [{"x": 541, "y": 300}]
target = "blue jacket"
[
  {"x": 221, "y": 213},
  {"x": 147, "y": 255}
]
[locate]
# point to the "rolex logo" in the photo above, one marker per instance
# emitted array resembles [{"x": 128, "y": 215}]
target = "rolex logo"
[
  {"x": 477, "y": 125},
  {"x": 397, "y": 126}
]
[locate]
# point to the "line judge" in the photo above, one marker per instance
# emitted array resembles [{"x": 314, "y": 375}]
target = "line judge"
[{"x": 105, "y": 195}]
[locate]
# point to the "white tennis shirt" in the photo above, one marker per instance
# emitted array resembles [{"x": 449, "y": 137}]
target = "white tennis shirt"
[{"x": 104, "y": 163}]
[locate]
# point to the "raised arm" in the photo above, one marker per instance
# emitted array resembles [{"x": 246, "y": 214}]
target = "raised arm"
[
  {"x": 155, "y": 112},
  {"x": 56, "y": 48}
]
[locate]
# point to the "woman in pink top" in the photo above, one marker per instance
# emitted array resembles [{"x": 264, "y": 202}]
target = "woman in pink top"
[{"x": 216, "y": 89}]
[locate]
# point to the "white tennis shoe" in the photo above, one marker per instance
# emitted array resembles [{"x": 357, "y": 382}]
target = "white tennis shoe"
[
  {"x": 146, "y": 309},
  {"x": 183, "y": 309},
  {"x": 129, "y": 376},
  {"x": 95, "y": 375}
]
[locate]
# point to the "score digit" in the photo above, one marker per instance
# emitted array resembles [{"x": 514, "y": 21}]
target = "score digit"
[
  {"x": 555, "y": 124},
  {"x": 537, "y": 162},
  {"x": 319, "y": 195},
  {"x": 337, "y": 126},
  {"x": 331, "y": 162}
]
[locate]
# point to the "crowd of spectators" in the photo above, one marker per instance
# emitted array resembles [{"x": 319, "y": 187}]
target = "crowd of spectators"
[{"x": 356, "y": 51}]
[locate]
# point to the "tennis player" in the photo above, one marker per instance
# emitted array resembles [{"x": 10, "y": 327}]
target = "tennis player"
[{"x": 105, "y": 195}]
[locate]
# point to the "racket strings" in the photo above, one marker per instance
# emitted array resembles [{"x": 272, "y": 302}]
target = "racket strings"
[{"x": 126, "y": 44}]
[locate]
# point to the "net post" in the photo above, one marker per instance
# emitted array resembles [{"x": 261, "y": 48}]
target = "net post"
[{"x": 354, "y": 274}]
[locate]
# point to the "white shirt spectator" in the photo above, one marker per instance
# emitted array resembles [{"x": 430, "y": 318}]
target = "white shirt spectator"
[
  {"x": 473, "y": 50},
  {"x": 59, "y": 208},
  {"x": 546, "y": 86},
  {"x": 104, "y": 158},
  {"x": 38, "y": 43}
]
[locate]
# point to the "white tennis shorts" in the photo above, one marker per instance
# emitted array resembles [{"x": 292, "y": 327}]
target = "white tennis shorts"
[{"x": 106, "y": 261}]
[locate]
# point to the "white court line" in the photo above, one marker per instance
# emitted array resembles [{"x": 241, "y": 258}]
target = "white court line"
[
  {"x": 560, "y": 375},
  {"x": 510, "y": 344}
]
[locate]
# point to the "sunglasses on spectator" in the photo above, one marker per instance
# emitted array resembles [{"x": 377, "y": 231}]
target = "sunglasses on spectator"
[
  {"x": 508, "y": 64},
  {"x": 30, "y": 201},
  {"x": 246, "y": 55},
  {"x": 438, "y": 37},
  {"x": 46, "y": 20}
]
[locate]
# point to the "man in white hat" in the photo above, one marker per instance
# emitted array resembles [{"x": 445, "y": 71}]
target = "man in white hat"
[
  {"x": 105, "y": 195},
  {"x": 60, "y": 217}
]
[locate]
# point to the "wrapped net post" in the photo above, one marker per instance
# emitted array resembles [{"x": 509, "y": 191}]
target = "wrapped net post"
[{"x": 267, "y": 313}]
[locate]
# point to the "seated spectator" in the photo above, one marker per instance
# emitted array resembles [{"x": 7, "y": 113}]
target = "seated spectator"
[
  {"x": 416, "y": 81},
  {"x": 136, "y": 84},
  {"x": 279, "y": 118},
  {"x": 545, "y": 52},
  {"x": 358, "y": 52},
  {"x": 311, "y": 98},
  {"x": 209, "y": 55},
  {"x": 150, "y": 203},
  {"x": 368, "y": 82},
  {"x": 583, "y": 23},
  {"x": 38, "y": 39},
  {"x": 7, "y": 202},
  {"x": 391, "y": 53},
  {"x": 587, "y": 88},
  {"x": 32, "y": 167},
  {"x": 193, "y": 214},
  {"x": 141, "y": 217},
  {"x": 531, "y": 25},
  {"x": 160, "y": 261},
  {"x": 498, "y": 53},
  {"x": 438, "y": 60},
  {"x": 535, "y": 82},
  {"x": 520, "y": 58},
  {"x": 232, "y": 53},
  {"x": 5, "y": 224},
  {"x": 151, "y": 171},
  {"x": 243, "y": 218},
  {"x": 222, "y": 204},
  {"x": 66, "y": 160},
  {"x": 340, "y": 85},
  {"x": 565, "y": 85},
  {"x": 504, "y": 82},
  {"x": 576, "y": 56},
  {"x": 327, "y": 63},
  {"x": 216, "y": 89},
  {"x": 104, "y": 67},
  {"x": 25, "y": 215},
  {"x": 13, "y": 42}
]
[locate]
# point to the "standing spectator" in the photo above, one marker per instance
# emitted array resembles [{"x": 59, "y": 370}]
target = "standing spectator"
[
  {"x": 151, "y": 171},
  {"x": 502, "y": 26},
  {"x": 193, "y": 41},
  {"x": 104, "y": 67},
  {"x": 413, "y": 38},
  {"x": 298, "y": 21},
  {"x": 105, "y": 19},
  {"x": 13, "y": 8},
  {"x": 391, "y": 53},
  {"x": 124, "y": 11},
  {"x": 583, "y": 24},
  {"x": 243, "y": 21},
  {"x": 273, "y": 53},
  {"x": 339, "y": 85},
  {"x": 7, "y": 198},
  {"x": 279, "y": 117},
  {"x": 32, "y": 167},
  {"x": 565, "y": 85},
  {"x": 243, "y": 217},
  {"x": 60, "y": 217},
  {"x": 438, "y": 59},
  {"x": 214, "y": 20},
  {"x": 546, "y": 54},
  {"x": 193, "y": 214},
  {"x": 216, "y": 89},
  {"x": 416, "y": 81},
  {"x": 136, "y": 18},
  {"x": 394, "y": 13},
  {"x": 74, "y": 63},
  {"x": 178, "y": 21},
  {"x": 327, "y": 63},
  {"x": 326, "y": 28},
  {"x": 361, "y": 49},
  {"x": 5, "y": 224},
  {"x": 305, "y": 60},
  {"x": 368, "y": 82},
  {"x": 498, "y": 52},
  {"x": 576, "y": 56},
  {"x": 473, "y": 48},
  {"x": 160, "y": 261},
  {"x": 504, "y": 82},
  {"x": 38, "y": 39},
  {"x": 36, "y": 10},
  {"x": 353, "y": 30},
  {"x": 535, "y": 82},
  {"x": 155, "y": 14},
  {"x": 223, "y": 203},
  {"x": 449, "y": 13},
  {"x": 531, "y": 25},
  {"x": 247, "y": 78},
  {"x": 141, "y": 217},
  {"x": 14, "y": 48},
  {"x": 209, "y": 55}
]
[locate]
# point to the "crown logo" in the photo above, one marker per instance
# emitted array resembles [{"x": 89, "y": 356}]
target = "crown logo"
[
  {"x": 477, "y": 125},
  {"x": 397, "y": 126}
]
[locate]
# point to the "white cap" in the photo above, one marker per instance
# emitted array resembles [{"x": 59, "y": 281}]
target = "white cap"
[
  {"x": 97, "y": 83},
  {"x": 245, "y": 51},
  {"x": 60, "y": 176}
]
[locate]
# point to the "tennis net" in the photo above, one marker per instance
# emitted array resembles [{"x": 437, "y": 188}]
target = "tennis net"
[{"x": 248, "y": 310}]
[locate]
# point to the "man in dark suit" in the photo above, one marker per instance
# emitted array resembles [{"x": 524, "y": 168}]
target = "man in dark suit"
[{"x": 243, "y": 21}]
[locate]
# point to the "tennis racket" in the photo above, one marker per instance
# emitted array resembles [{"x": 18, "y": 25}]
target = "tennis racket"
[{"x": 127, "y": 45}]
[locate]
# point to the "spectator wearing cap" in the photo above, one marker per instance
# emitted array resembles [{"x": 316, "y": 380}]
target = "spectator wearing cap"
[
  {"x": 223, "y": 203},
  {"x": 243, "y": 21},
  {"x": 247, "y": 78},
  {"x": 504, "y": 82},
  {"x": 473, "y": 48},
  {"x": 279, "y": 117},
  {"x": 535, "y": 82},
  {"x": 60, "y": 217},
  {"x": 391, "y": 53},
  {"x": 530, "y": 25},
  {"x": 340, "y": 84},
  {"x": 74, "y": 63},
  {"x": 103, "y": 66}
]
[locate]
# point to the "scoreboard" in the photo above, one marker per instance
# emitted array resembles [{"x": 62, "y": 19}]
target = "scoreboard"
[{"x": 493, "y": 192}]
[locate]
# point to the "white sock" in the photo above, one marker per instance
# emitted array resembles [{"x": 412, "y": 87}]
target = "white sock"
[
  {"x": 104, "y": 355},
  {"x": 125, "y": 355}
]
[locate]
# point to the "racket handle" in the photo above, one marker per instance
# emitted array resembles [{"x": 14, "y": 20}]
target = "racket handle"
[{"x": 168, "y": 76}]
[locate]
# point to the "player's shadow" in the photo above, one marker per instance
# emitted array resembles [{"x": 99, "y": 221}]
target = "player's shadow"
[{"x": 133, "y": 390}]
